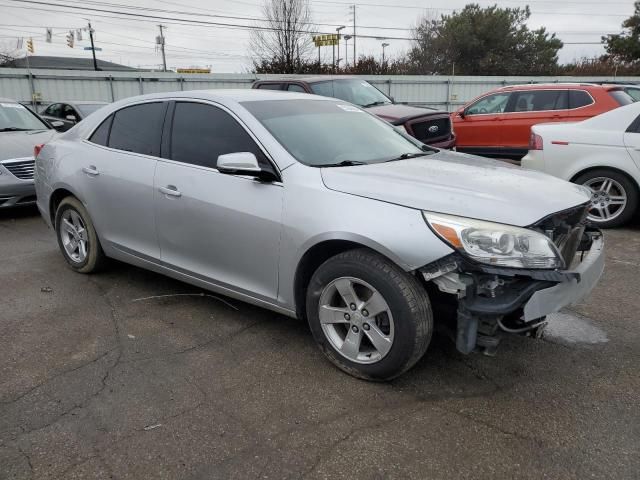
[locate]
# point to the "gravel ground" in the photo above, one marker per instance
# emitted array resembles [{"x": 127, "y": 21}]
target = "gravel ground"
[{"x": 99, "y": 381}]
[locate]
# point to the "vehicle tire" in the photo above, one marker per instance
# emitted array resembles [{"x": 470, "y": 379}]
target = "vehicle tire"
[
  {"x": 77, "y": 237},
  {"x": 369, "y": 317},
  {"x": 614, "y": 199}
]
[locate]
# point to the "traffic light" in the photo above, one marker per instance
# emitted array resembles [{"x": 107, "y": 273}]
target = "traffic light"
[
  {"x": 70, "y": 39},
  {"x": 30, "y": 48}
]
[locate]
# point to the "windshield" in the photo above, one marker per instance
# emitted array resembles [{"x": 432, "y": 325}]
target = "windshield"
[
  {"x": 633, "y": 93},
  {"x": 328, "y": 133},
  {"x": 14, "y": 116},
  {"x": 352, "y": 90},
  {"x": 89, "y": 108}
]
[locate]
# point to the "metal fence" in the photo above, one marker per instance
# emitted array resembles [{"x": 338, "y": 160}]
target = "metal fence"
[{"x": 441, "y": 92}]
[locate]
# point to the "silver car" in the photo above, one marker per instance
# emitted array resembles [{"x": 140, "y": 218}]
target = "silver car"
[
  {"x": 314, "y": 208},
  {"x": 20, "y": 131}
]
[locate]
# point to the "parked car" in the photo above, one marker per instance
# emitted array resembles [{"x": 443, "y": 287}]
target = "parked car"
[
  {"x": 430, "y": 126},
  {"x": 498, "y": 124},
  {"x": 20, "y": 131},
  {"x": 69, "y": 113},
  {"x": 285, "y": 201},
  {"x": 602, "y": 153}
]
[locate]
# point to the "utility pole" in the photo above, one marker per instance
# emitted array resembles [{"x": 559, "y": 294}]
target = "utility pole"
[
  {"x": 338, "y": 30},
  {"x": 93, "y": 48},
  {"x": 160, "y": 40}
]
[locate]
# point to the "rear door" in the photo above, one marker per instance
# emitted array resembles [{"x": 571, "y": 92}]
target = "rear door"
[
  {"x": 530, "y": 107},
  {"x": 580, "y": 102},
  {"x": 632, "y": 141},
  {"x": 118, "y": 167},
  {"x": 218, "y": 227},
  {"x": 480, "y": 129}
]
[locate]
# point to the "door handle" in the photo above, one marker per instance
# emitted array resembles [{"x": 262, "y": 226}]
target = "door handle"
[
  {"x": 171, "y": 191},
  {"x": 91, "y": 170}
]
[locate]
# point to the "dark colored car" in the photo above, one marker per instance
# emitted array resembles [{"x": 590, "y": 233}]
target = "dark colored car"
[
  {"x": 69, "y": 113},
  {"x": 430, "y": 126}
]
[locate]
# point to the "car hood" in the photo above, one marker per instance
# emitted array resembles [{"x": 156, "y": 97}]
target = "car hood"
[
  {"x": 462, "y": 185},
  {"x": 398, "y": 113},
  {"x": 20, "y": 144}
]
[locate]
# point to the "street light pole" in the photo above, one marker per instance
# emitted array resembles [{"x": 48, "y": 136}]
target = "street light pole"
[
  {"x": 384, "y": 45},
  {"x": 334, "y": 47},
  {"x": 346, "y": 50}
]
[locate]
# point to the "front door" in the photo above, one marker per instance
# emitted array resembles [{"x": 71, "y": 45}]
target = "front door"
[
  {"x": 478, "y": 129},
  {"x": 218, "y": 227}
]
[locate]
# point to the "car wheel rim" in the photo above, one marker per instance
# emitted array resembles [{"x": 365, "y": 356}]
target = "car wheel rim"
[
  {"x": 73, "y": 235},
  {"x": 608, "y": 199},
  {"x": 356, "y": 320}
]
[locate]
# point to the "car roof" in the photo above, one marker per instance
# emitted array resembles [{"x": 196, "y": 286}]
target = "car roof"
[
  {"x": 8, "y": 100},
  {"x": 81, "y": 102},
  {"x": 555, "y": 86},
  {"x": 226, "y": 96},
  {"x": 316, "y": 79}
]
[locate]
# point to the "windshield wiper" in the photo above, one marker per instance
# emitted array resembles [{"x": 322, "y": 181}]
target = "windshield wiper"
[
  {"x": 14, "y": 129},
  {"x": 375, "y": 104},
  {"x": 406, "y": 156},
  {"x": 344, "y": 163}
]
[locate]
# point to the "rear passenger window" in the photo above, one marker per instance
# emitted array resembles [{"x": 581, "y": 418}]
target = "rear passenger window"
[
  {"x": 579, "y": 98},
  {"x": 540, "y": 100},
  {"x": 138, "y": 129},
  {"x": 201, "y": 133},
  {"x": 296, "y": 88},
  {"x": 101, "y": 134},
  {"x": 270, "y": 86}
]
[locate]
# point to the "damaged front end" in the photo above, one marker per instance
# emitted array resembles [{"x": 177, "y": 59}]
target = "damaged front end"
[{"x": 483, "y": 302}]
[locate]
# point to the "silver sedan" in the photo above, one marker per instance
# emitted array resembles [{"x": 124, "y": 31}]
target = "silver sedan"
[{"x": 314, "y": 208}]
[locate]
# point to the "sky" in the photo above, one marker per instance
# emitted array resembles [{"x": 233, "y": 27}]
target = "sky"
[{"x": 225, "y": 49}]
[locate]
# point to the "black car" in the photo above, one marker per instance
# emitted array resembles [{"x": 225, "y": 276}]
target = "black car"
[{"x": 69, "y": 113}]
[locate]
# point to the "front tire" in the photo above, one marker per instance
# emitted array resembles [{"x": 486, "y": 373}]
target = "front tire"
[
  {"x": 77, "y": 237},
  {"x": 614, "y": 197},
  {"x": 369, "y": 317}
]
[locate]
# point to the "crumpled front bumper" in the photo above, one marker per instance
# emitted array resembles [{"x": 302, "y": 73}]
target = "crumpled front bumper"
[{"x": 552, "y": 299}]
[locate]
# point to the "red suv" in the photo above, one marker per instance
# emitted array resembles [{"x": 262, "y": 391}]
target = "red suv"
[
  {"x": 498, "y": 124},
  {"x": 432, "y": 127}
]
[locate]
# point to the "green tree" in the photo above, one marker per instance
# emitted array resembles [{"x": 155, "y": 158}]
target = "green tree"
[
  {"x": 483, "y": 41},
  {"x": 625, "y": 47}
]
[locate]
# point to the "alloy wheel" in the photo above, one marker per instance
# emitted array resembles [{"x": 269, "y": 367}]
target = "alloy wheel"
[
  {"x": 608, "y": 199},
  {"x": 356, "y": 319},
  {"x": 73, "y": 234}
]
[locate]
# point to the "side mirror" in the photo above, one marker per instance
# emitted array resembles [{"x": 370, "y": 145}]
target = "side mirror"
[
  {"x": 57, "y": 124},
  {"x": 71, "y": 118},
  {"x": 242, "y": 163},
  {"x": 463, "y": 113},
  {"x": 393, "y": 100}
]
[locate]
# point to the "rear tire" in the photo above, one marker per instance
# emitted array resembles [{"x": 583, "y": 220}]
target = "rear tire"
[
  {"x": 614, "y": 198},
  {"x": 77, "y": 237},
  {"x": 391, "y": 336}
]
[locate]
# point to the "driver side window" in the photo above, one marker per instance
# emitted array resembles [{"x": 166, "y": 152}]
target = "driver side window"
[
  {"x": 54, "y": 110},
  {"x": 495, "y": 103}
]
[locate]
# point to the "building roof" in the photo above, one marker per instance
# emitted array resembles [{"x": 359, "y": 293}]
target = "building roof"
[{"x": 66, "y": 63}]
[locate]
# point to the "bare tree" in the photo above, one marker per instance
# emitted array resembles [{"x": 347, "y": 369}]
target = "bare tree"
[
  {"x": 8, "y": 52},
  {"x": 283, "y": 39}
]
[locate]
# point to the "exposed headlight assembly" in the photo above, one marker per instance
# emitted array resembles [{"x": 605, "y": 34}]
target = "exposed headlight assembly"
[{"x": 494, "y": 243}]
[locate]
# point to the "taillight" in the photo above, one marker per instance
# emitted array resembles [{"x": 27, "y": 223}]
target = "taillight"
[
  {"x": 37, "y": 149},
  {"x": 535, "y": 142}
]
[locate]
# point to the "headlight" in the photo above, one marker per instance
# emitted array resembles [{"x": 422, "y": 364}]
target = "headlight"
[{"x": 494, "y": 243}]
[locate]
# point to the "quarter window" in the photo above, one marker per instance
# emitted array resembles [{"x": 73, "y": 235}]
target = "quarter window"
[
  {"x": 495, "y": 103},
  {"x": 138, "y": 129},
  {"x": 101, "y": 134},
  {"x": 201, "y": 133},
  {"x": 579, "y": 98}
]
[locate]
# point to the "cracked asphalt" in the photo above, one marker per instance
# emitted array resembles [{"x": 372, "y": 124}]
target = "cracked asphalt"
[{"x": 99, "y": 381}]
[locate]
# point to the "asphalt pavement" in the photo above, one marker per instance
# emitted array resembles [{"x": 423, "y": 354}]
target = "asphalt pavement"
[{"x": 128, "y": 374}]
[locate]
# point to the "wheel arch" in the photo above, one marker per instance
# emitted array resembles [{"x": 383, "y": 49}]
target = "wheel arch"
[
  {"x": 319, "y": 252},
  {"x": 626, "y": 174},
  {"x": 56, "y": 197}
]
